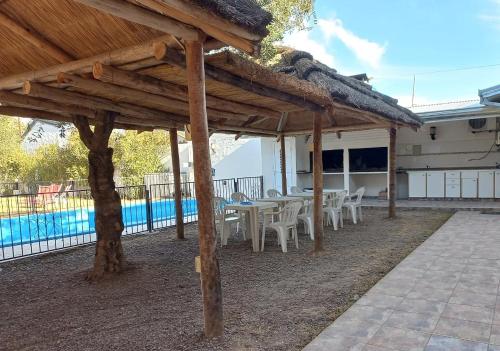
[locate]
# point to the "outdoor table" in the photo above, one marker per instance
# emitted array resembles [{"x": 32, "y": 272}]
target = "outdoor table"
[
  {"x": 309, "y": 195},
  {"x": 281, "y": 200},
  {"x": 252, "y": 220}
]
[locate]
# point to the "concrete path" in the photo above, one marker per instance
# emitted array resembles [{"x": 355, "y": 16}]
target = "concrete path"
[{"x": 443, "y": 296}]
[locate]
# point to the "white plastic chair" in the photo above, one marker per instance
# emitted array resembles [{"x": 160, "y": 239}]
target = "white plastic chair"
[
  {"x": 333, "y": 210},
  {"x": 287, "y": 222},
  {"x": 354, "y": 206},
  {"x": 239, "y": 197},
  {"x": 295, "y": 190},
  {"x": 224, "y": 221},
  {"x": 273, "y": 193},
  {"x": 307, "y": 217}
]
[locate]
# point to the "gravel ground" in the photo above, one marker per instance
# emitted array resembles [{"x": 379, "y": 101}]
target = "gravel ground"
[{"x": 272, "y": 301}]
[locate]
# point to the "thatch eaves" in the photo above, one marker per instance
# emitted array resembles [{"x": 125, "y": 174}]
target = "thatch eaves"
[
  {"x": 245, "y": 13},
  {"x": 349, "y": 90}
]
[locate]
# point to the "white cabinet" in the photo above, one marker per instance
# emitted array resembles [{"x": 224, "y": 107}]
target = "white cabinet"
[
  {"x": 497, "y": 184},
  {"x": 435, "y": 184},
  {"x": 417, "y": 184},
  {"x": 469, "y": 184},
  {"x": 452, "y": 184},
  {"x": 486, "y": 184}
]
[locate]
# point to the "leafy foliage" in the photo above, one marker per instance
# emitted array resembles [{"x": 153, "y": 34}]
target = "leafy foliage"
[
  {"x": 135, "y": 155},
  {"x": 13, "y": 161},
  {"x": 288, "y": 16}
]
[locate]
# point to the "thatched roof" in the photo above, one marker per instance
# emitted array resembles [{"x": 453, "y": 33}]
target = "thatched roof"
[
  {"x": 245, "y": 13},
  {"x": 348, "y": 90}
]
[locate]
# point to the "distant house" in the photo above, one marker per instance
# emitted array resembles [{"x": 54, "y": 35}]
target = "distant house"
[
  {"x": 230, "y": 158},
  {"x": 41, "y": 132}
]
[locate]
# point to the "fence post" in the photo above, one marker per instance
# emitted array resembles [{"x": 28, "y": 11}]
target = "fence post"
[
  {"x": 261, "y": 178},
  {"x": 236, "y": 187},
  {"x": 149, "y": 215}
]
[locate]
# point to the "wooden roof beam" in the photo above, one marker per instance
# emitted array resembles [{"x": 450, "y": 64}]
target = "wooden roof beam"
[
  {"x": 28, "y": 102},
  {"x": 351, "y": 128},
  {"x": 140, "y": 15},
  {"x": 282, "y": 122},
  {"x": 109, "y": 74},
  {"x": 137, "y": 97},
  {"x": 35, "y": 39},
  {"x": 175, "y": 58},
  {"x": 128, "y": 56},
  {"x": 216, "y": 27},
  {"x": 66, "y": 118},
  {"x": 97, "y": 103}
]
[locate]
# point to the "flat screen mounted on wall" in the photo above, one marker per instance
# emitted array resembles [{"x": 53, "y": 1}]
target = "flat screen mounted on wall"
[
  {"x": 372, "y": 159},
  {"x": 333, "y": 161}
]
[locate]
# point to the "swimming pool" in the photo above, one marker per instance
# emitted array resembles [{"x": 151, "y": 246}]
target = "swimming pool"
[{"x": 35, "y": 227}]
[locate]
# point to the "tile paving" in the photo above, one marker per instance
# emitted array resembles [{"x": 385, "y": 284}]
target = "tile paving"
[{"x": 443, "y": 297}]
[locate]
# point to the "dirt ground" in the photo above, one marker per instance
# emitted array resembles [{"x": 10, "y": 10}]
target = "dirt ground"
[{"x": 272, "y": 301}]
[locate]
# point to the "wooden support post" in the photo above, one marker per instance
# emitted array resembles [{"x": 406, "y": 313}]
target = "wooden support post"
[
  {"x": 210, "y": 273},
  {"x": 392, "y": 172},
  {"x": 176, "y": 169},
  {"x": 284, "y": 186},
  {"x": 317, "y": 183}
]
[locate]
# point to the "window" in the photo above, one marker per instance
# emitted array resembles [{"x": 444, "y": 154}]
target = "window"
[{"x": 368, "y": 160}]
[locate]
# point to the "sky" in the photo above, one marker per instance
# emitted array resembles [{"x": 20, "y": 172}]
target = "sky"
[{"x": 394, "y": 40}]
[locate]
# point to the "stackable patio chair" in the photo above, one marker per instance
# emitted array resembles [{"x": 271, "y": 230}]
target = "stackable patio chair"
[
  {"x": 333, "y": 210},
  {"x": 239, "y": 197},
  {"x": 307, "y": 217},
  {"x": 223, "y": 220},
  {"x": 273, "y": 193},
  {"x": 295, "y": 190},
  {"x": 288, "y": 222},
  {"x": 353, "y": 205}
]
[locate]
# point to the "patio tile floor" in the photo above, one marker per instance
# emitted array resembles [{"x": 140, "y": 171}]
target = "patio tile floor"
[{"x": 443, "y": 297}]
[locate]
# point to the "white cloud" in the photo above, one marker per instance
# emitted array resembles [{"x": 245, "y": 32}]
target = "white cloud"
[
  {"x": 493, "y": 16},
  {"x": 302, "y": 41},
  {"x": 366, "y": 51}
]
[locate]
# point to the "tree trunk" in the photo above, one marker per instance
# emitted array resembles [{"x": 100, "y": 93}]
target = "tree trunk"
[
  {"x": 108, "y": 213},
  {"x": 107, "y": 204}
]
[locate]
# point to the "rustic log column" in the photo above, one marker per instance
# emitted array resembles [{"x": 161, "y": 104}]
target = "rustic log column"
[
  {"x": 107, "y": 205},
  {"x": 210, "y": 274},
  {"x": 392, "y": 172},
  {"x": 176, "y": 170},
  {"x": 317, "y": 183},
  {"x": 284, "y": 187}
]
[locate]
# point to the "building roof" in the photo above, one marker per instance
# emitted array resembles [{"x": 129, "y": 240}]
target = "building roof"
[
  {"x": 486, "y": 106},
  {"x": 348, "y": 90},
  {"x": 490, "y": 95},
  {"x": 244, "y": 13}
]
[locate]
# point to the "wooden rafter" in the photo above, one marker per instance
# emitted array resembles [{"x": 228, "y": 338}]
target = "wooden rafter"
[
  {"x": 221, "y": 29},
  {"x": 35, "y": 39},
  {"x": 136, "y": 14},
  {"x": 173, "y": 57},
  {"x": 157, "y": 86},
  {"x": 129, "y": 57},
  {"x": 282, "y": 122}
]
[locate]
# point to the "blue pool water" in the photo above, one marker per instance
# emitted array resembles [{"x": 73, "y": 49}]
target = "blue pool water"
[{"x": 54, "y": 225}]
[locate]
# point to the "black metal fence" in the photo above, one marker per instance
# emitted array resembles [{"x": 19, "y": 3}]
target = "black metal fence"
[{"x": 41, "y": 222}]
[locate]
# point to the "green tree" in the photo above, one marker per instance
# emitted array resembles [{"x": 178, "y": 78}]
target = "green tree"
[
  {"x": 13, "y": 160},
  {"x": 288, "y": 16},
  {"x": 139, "y": 153}
]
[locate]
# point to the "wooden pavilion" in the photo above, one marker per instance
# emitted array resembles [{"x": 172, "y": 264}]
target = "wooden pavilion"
[{"x": 144, "y": 65}]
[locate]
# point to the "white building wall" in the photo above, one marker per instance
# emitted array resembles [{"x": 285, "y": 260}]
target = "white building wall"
[
  {"x": 455, "y": 145},
  {"x": 244, "y": 160},
  {"x": 271, "y": 167}
]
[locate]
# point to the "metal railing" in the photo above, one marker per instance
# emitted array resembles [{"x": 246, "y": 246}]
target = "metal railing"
[{"x": 36, "y": 223}]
